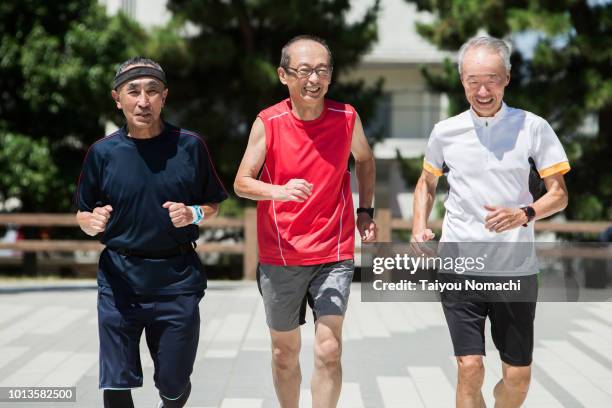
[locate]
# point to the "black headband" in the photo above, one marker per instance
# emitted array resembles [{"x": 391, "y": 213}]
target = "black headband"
[{"x": 138, "y": 72}]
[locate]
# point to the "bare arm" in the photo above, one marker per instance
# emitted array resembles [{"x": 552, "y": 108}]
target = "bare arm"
[
  {"x": 555, "y": 200},
  {"x": 210, "y": 210},
  {"x": 246, "y": 184},
  {"x": 424, "y": 197},
  {"x": 365, "y": 169}
]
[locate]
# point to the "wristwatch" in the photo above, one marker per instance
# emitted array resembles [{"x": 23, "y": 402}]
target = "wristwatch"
[
  {"x": 198, "y": 214},
  {"x": 530, "y": 213},
  {"x": 369, "y": 211}
]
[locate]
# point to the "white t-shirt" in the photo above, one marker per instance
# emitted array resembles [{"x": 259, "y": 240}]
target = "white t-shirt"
[{"x": 488, "y": 164}]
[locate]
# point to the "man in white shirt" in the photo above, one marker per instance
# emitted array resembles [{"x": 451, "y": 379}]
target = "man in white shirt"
[{"x": 486, "y": 150}]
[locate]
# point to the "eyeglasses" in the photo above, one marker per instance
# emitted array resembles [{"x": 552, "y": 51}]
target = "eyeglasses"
[
  {"x": 489, "y": 81},
  {"x": 304, "y": 72}
]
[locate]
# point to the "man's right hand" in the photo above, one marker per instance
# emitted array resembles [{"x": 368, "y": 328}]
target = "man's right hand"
[
  {"x": 422, "y": 235},
  {"x": 417, "y": 246},
  {"x": 297, "y": 190},
  {"x": 95, "y": 222}
]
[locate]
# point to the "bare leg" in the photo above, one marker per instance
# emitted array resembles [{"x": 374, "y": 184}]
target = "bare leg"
[
  {"x": 327, "y": 376},
  {"x": 469, "y": 382},
  {"x": 286, "y": 366},
  {"x": 511, "y": 390}
]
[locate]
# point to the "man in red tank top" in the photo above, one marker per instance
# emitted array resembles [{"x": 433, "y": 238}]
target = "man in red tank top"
[{"x": 296, "y": 167}]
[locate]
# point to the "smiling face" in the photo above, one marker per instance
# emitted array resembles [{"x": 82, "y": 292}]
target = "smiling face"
[
  {"x": 141, "y": 101},
  {"x": 484, "y": 78},
  {"x": 305, "y": 56}
]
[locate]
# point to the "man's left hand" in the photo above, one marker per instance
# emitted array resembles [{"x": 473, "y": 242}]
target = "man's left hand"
[
  {"x": 179, "y": 213},
  {"x": 500, "y": 219},
  {"x": 366, "y": 227}
]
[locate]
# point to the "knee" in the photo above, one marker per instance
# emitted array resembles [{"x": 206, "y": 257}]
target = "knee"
[
  {"x": 174, "y": 394},
  {"x": 518, "y": 378},
  {"x": 285, "y": 356},
  {"x": 328, "y": 351},
  {"x": 471, "y": 369}
]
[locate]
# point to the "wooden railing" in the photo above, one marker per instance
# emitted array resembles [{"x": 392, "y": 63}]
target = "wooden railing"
[{"x": 248, "y": 248}]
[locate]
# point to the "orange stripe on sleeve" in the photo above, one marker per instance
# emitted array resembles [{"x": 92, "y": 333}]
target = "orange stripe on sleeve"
[
  {"x": 562, "y": 168},
  {"x": 433, "y": 170}
]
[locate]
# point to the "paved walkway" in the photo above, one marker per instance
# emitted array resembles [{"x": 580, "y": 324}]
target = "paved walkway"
[{"x": 395, "y": 354}]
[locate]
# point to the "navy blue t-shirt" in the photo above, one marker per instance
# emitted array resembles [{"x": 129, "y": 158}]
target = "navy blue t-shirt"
[{"x": 136, "y": 177}]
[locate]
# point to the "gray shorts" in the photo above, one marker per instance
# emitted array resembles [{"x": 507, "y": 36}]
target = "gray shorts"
[{"x": 286, "y": 289}]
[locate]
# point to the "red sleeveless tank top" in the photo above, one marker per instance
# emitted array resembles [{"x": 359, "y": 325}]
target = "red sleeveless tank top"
[{"x": 322, "y": 228}]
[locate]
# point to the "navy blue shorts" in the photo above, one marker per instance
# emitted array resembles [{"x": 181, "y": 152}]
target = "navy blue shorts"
[{"x": 172, "y": 329}]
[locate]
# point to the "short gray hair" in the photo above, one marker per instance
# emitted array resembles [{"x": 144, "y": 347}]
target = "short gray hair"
[
  {"x": 138, "y": 61},
  {"x": 492, "y": 43}
]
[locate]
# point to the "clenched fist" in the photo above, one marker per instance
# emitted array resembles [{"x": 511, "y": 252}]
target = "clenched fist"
[
  {"x": 94, "y": 222},
  {"x": 179, "y": 213},
  {"x": 422, "y": 236},
  {"x": 366, "y": 227},
  {"x": 418, "y": 246},
  {"x": 295, "y": 190}
]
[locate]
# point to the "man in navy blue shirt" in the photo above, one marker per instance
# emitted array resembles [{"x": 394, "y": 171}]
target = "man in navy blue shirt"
[{"x": 145, "y": 189}]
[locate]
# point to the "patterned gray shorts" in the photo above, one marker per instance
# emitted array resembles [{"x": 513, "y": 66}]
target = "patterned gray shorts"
[{"x": 285, "y": 290}]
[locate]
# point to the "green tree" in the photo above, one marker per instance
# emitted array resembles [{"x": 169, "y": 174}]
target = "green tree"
[
  {"x": 222, "y": 68},
  {"x": 566, "y": 79},
  {"x": 56, "y": 68},
  {"x": 28, "y": 170}
]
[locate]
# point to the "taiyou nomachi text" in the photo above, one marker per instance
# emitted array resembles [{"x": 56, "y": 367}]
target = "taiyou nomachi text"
[{"x": 437, "y": 286}]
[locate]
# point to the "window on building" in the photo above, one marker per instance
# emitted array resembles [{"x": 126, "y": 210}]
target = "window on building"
[
  {"x": 406, "y": 114},
  {"x": 413, "y": 114}
]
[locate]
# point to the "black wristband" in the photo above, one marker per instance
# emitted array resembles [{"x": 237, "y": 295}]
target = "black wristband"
[
  {"x": 369, "y": 211},
  {"x": 530, "y": 213}
]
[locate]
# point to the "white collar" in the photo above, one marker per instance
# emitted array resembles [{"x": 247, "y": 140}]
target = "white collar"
[{"x": 489, "y": 120}]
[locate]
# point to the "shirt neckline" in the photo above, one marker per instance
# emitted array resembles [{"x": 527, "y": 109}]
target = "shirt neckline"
[
  {"x": 161, "y": 136},
  {"x": 489, "y": 120},
  {"x": 307, "y": 123}
]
